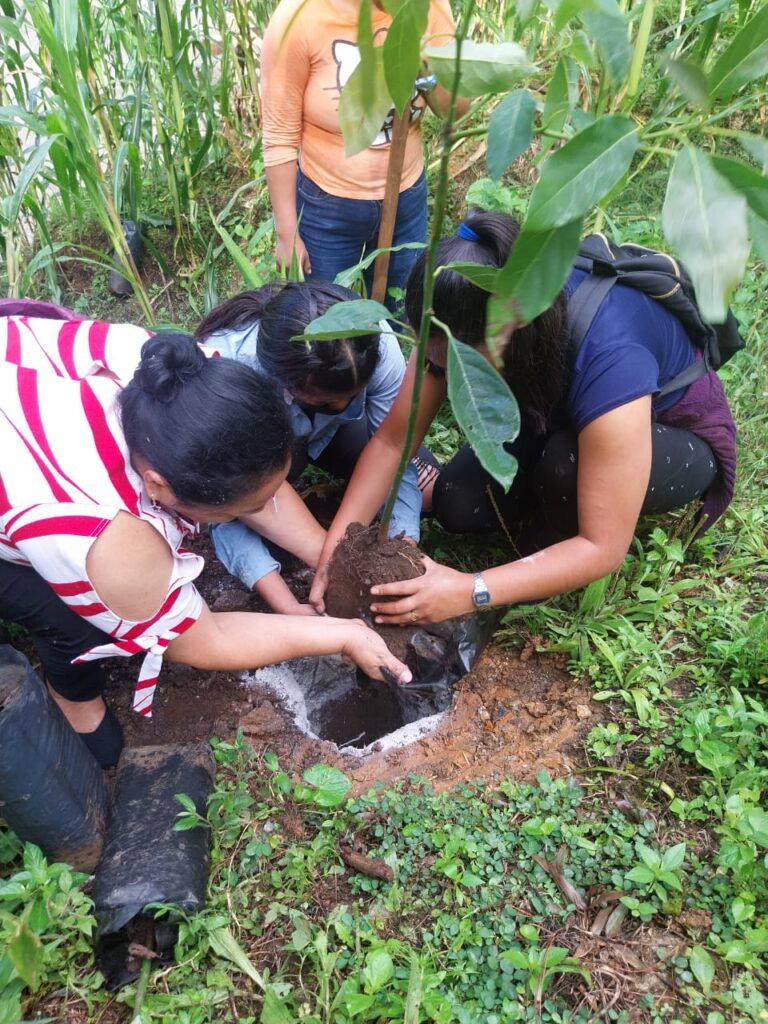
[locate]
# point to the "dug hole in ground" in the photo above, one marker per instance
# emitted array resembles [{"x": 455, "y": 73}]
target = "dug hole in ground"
[{"x": 513, "y": 714}]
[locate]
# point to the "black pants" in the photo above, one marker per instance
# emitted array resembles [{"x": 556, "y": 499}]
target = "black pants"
[
  {"x": 543, "y": 493},
  {"x": 58, "y": 633}
]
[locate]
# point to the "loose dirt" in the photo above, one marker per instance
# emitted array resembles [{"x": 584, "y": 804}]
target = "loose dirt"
[{"x": 513, "y": 715}]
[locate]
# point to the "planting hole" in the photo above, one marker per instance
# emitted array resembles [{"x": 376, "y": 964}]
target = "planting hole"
[{"x": 329, "y": 700}]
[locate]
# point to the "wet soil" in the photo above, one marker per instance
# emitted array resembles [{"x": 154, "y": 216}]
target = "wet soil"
[
  {"x": 359, "y": 562},
  {"x": 513, "y": 715}
]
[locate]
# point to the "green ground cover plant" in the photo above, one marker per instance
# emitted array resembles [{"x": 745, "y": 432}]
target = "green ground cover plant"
[{"x": 496, "y": 903}]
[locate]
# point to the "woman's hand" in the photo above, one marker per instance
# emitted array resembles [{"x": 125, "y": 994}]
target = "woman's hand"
[
  {"x": 371, "y": 654},
  {"x": 284, "y": 254},
  {"x": 441, "y": 593},
  {"x": 319, "y": 586}
]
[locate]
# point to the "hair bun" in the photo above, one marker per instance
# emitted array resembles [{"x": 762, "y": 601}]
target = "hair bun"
[{"x": 168, "y": 361}]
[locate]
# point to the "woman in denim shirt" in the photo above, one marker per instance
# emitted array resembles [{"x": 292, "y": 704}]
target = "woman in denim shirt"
[{"x": 337, "y": 393}]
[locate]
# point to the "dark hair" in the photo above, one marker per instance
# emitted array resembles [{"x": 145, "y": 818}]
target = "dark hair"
[
  {"x": 239, "y": 311},
  {"x": 214, "y": 428},
  {"x": 335, "y": 367},
  {"x": 535, "y": 356}
]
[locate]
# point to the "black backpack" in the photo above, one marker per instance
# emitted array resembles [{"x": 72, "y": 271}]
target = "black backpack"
[{"x": 664, "y": 279}]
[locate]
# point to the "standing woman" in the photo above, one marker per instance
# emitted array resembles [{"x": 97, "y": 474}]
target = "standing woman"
[
  {"x": 600, "y": 442},
  {"x": 337, "y": 394},
  {"x": 112, "y": 448},
  {"x": 328, "y": 205}
]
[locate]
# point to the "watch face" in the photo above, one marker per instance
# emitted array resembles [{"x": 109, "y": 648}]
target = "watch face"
[{"x": 482, "y": 599}]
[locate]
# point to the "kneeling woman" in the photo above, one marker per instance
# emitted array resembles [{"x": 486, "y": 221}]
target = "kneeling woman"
[
  {"x": 337, "y": 394},
  {"x": 114, "y": 448},
  {"x": 599, "y": 444}
]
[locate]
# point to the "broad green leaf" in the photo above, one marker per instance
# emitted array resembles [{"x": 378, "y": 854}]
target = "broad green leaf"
[
  {"x": 565, "y": 10},
  {"x": 641, "y": 875},
  {"x": 273, "y": 1011},
  {"x": 607, "y": 27},
  {"x": 348, "y": 277},
  {"x": 557, "y": 105},
  {"x": 367, "y": 56},
  {"x": 25, "y": 178},
  {"x": 758, "y": 230},
  {"x": 356, "y": 1003},
  {"x": 690, "y": 80},
  {"x": 745, "y": 59},
  {"x": 485, "y": 67},
  {"x": 757, "y": 822},
  {"x": 478, "y": 273},
  {"x": 537, "y": 269},
  {"x": 648, "y": 856},
  {"x": 243, "y": 264},
  {"x": 705, "y": 222},
  {"x": 580, "y": 48},
  {"x": 331, "y": 785},
  {"x": 378, "y": 970},
  {"x": 745, "y": 180},
  {"x": 510, "y": 131},
  {"x": 517, "y": 958},
  {"x": 402, "y": 50},
  {"x": 702, "y": 966},
  {"x": 673, "y": 857},
  {"x": 225, "y": 945},
  {"x": 26, "y": 954},
  {"x": 484, "y": 408},
  {"x": 415, "y": 993},
  {"x": 348, "y": 319},
  {"x": 757, "y": 147},
  {"x": 579, "y": 174},
  {"x": 361, "y": 122}
]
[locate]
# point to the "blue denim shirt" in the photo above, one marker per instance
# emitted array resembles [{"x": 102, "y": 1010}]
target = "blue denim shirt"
[{"x": 241, "y": 550}]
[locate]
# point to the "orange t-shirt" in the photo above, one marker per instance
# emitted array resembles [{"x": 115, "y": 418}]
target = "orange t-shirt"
[{"x": 304, "y": 66}]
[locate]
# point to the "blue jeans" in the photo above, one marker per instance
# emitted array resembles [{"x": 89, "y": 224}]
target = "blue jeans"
[{"x": 339, "y": 232}]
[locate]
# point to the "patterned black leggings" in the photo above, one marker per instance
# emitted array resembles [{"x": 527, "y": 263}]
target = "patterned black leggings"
[{"x": 544, "y": 491}]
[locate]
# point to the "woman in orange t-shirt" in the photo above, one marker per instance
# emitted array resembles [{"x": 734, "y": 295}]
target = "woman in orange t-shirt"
[{"x": 328, "y": 205}]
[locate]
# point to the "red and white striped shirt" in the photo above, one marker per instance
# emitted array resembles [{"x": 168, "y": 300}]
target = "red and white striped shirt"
[{"x": 65, "y": 473}]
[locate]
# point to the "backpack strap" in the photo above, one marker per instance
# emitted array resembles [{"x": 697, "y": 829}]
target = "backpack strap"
[
  {"x": 582, "y": 309},
  {"x": 687, "y": 376}
]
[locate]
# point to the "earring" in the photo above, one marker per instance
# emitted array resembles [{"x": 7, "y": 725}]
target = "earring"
[{"x": 155, "y": 504}]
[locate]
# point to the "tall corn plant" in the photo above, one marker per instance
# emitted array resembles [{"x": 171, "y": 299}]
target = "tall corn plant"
[{"x": 601, "y": 102}]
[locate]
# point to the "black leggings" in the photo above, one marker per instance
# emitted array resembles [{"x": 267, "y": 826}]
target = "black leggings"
[
  {"x": 58, "y": 633},
  {"x": 544, "y": 491}
]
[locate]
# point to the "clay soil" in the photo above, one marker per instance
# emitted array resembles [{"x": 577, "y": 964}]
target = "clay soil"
[{"x": 514, "y": 714}]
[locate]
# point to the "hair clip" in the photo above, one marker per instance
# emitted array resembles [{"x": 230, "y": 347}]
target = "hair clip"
[{"x": 466, "y": 232}]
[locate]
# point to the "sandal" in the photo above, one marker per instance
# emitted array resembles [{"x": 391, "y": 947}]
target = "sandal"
[{"x": 426, "y": 472}]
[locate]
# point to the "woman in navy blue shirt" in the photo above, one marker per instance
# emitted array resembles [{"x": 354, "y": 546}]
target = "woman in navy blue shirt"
[{"x": 598, "y": 444}]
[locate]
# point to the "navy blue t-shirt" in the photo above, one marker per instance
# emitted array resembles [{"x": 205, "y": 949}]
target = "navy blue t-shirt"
[{"x": 632, "y": 348}]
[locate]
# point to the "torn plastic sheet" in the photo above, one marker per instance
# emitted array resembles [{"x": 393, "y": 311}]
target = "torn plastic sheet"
[
  {"x": 52, "y": 790},
  {"x": 145, "y": 862}
]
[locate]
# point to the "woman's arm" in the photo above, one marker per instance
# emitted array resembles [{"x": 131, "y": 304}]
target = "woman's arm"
[
  {"x": 614, "y": 469},
  {"x": 377, "y": 465},
  {"x": 287, "y": 521},
  {"x": 281, "y": 182}
]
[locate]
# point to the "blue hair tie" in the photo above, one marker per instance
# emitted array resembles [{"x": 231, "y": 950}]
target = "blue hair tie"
[{"x": 465, "y": 231}]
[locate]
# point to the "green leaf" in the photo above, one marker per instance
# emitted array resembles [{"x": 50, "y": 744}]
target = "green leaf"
[
  {"x": 756, "y": 146},
  {"x": 357, "y": 1002},
  {"x": 536, "y": 270},
  {"x": 273, "y": 1010},
  {"x": 565, "y": 10},
  {"x": 479, "y": 274},
  {"x": 747, "y": 181},
  {"x": 641, "y": 875},
  {"x": 347, "y": 277},
  {"x": 25, "y": 951},
  {"x": 378, "y": 970},
  {"x": 361, "y": 121},
  {"x": 673, "y": 857},
  {"x": 757, "y": 822},
  {"x": 557, "y": 104},
  {"x": 485, "y": 67},
  {"x": 484, "y": 408},
  {"x": 347, "y": 319},
  {"x": 517, "y": 958},
  {"x": 649, "y": 856},
  {"x": 415, "y": 992},
  {"x": 758, "y": 230},
  {"x": 705, "y": 222},
  {"x": 690, "y": 80},
  {"x": 576, "y": 176},
  {"x": 702, "y": 966},
  {"x": 331, "y": 785},
  {"x": 402, "y": 50},
  {"x": 510, "y": 131},
  {"x": 607, "y": 27},
  {"x": 745, "y": 59},
  {"x": 367, "y": 57},
  {"x": 25, "y": 178},
  {"x": 225, "y": 945},
  {"x": 243, "y": 264}
]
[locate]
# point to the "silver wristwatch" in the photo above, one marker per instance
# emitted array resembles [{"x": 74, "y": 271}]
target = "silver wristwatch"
[{"x": 481, "y": 597}]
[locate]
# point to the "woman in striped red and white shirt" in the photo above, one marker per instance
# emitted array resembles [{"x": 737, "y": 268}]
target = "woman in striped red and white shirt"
[{"x": 113, "y": 445}]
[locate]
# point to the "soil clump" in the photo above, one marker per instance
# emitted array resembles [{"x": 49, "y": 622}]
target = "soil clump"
[{"x": 361, "y": 561}]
